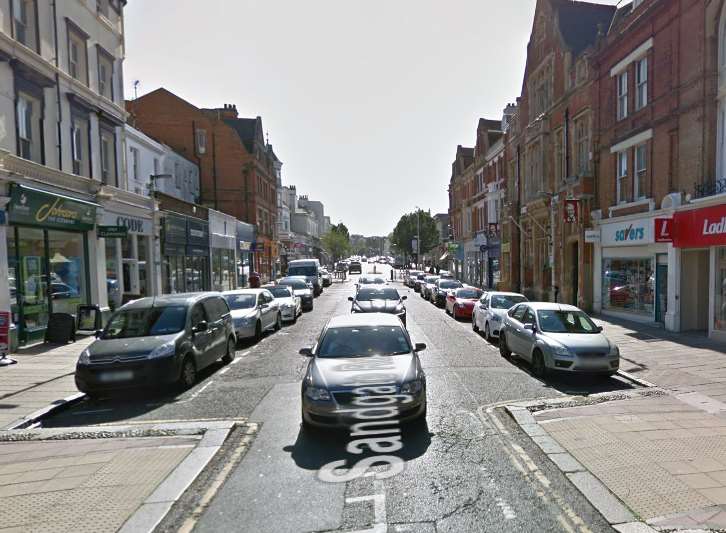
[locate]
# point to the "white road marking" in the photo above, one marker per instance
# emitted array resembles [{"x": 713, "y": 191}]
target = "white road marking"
[
  {"x": 507, "y": 510},
  {"x": 379, "y": 508},
  {"x": 225, "y": 370}
]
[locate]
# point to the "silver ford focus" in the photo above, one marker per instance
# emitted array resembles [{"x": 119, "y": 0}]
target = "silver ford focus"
[{"x": 558, "y": 337}]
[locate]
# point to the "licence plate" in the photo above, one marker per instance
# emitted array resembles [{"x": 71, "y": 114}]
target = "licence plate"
[{"x": 120, "y": 375}]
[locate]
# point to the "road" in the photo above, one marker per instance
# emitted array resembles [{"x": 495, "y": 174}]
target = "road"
[{"x": 469, "y": 469}]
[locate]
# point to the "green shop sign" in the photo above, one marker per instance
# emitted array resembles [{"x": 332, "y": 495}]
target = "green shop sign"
[
  {"x": 39, "y": 208},
  {"x": 113, "y": 232}
]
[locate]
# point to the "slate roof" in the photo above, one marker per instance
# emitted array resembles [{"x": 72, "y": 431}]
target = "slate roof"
[
  {"x": 246, "y": 128},
  {"x": 578, "y": 22}
]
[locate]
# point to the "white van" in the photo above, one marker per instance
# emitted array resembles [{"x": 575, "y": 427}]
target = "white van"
[{"x": 310, "y": 269}]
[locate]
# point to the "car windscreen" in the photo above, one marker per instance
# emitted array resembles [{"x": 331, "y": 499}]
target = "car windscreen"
[
  {"x": 302, "y": 271},
  {"x": 366, "y": 295},
  {"x": 552, "y": 321},
  {"x": 500, "y": 301},
  {"x": 365, "y": 280},
  {"x": 145, "y": 322},
  {"x": 363, "y": 340},
  {"x": 296, "y": 284},
  {"x": 470, "y": 294},
  {"x": 431, "y": 279},
  {"x": 450, "y": 284},
  {"x": 280, "y": 292},
  {"x": 241, "y": 301}
]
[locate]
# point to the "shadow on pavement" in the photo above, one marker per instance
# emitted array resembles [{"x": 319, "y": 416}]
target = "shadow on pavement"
[{"x": 315, "y": 448}]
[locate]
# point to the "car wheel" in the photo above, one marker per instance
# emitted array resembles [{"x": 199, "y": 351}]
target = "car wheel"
[
  {"x": 258, "y": 331},
  {"x": 231, "y": 350},
  {"x": 504, "y": 350},
  {"x": 278, "y": 323},
  {"x": 473, "y": 323},
  {"x": 188, "y": 376},
  {"x": 487, "y": 333},
  {"x": 539, "y": 368}
]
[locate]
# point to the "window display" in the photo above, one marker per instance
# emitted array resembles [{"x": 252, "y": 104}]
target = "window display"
[
  {"x": 67, "y": 273},
  {"x": 719, "y": 311},
  {"x": 628, "y": 285}
]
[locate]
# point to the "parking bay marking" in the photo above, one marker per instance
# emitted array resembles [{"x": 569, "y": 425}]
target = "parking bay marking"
[{"x": 379, "y": 508}]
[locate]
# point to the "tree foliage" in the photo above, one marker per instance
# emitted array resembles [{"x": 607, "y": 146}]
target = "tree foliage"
[
  {"x": 336, "y": 242},
  {"x": 342, "y": 230},
  {"x": 407, "y": 229}
]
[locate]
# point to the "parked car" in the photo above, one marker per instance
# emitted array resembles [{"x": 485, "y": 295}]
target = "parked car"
[
  {"x": 158, "y": 340},
  {"x": 326, "y": 277},
  {"x": 374, "y": 299},
  {"x": 289, "y": 304},
  {"x": 254, "y": 311},
  {"x": 557, "y": 337},
  {"x": 300, "y": 289},
  {"x": 328, "y": 398},
  {"x": 371, "y": 279},
  {"x": 460, "y": 302},
  {"x": 419, "y": 282},
  {"x": 410, "y": 277},
  {"x": 489, "y": 313},
  {"x": 355, "y": 267},
  {"x": 310, "y": 269},
  {"x": 441, "y": 289},
  {"x": 427, "y": 285}
]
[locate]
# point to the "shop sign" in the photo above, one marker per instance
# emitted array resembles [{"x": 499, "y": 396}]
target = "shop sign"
[
  {"x": 175, "y": 230},
  {"x": 197, "y": 232},
  {"x": 663, "y": 229},
  {"x": 630, "y": 233},
  {"x": 134, "y": 224},
  {"x": 505, "y": 248},
  {"x": 170, "y": 248},
  {"x": 113, "y": 232},
  {"x": 244, "y": 246},
  {"x": 572, "y": 211},
  {"x": 197, "y": 251},
  {"x": 37, "y": 208},
  {"x": 453, "y": 247},
  {"x": 700, "y": 227},
  {"x": 592, "y": 235}
]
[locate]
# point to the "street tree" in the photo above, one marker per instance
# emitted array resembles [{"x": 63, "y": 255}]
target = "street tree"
[
  {"x": 336, "y": 243},
  {"x": 407, "y": 229}
]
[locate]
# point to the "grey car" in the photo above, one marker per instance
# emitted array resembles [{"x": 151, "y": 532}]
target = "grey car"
[
  {"x": 254, "y": 311},
  {"x": 301, "y": 289},
  {"x": 557, "y": 337},
  {"x": 363, "y": 348},
  {"x": 374, "y": 299},
  {"x": 158, "y": 340}
]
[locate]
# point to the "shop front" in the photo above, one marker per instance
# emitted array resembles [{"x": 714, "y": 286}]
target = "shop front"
[
  {"x": 245, "y": 255},
  {"x": 129, "y": 259},
  {"x": 223, "y": 240},
  {"x": 185, "y": 254},
  {"x": 631, "y": 277},
  {"x": 48, "y": 266},
  {"x": 699, "y": 235}
]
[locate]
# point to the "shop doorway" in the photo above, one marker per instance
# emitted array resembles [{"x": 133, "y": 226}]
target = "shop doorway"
[
  {"x": 574, "y": 272},
  {"x": 661, "y": 288},
  {"x": 694, "y": 290}
]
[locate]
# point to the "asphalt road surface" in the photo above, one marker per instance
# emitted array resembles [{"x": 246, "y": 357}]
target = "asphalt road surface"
[{"x": 468, "y": 469}]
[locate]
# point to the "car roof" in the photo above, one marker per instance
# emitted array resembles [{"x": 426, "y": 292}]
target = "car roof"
[
  {"x": 550, "y": 306},
  {"x": 184, "y": 298},
  {"x": 364, "y": 319},
  {"x": 503, "y": 293},
  {"x": 245, "y": 291}
]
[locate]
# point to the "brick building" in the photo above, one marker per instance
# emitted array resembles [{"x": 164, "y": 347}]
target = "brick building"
[{"x": 237, "y": 169}]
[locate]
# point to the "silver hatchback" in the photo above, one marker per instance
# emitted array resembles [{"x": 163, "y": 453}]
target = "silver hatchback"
[{"x": 557, "y": 337}]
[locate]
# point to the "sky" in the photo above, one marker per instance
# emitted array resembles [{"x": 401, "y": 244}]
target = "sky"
[{"x": 364, "y": 101}]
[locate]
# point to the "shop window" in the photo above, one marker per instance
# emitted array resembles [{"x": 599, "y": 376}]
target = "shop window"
[
  {"x": 77, "y": 54},
  {"x": 105, "y": 74},
  {"x": 142, "y": 262},
  {"x": 32, "y": 280},
  {"x": 113, "y": 285},
  {"x": 641, "y": 83},
  {"x": 24, "y": 23},
  {"x": 108, "y": 157},
  {"x": 67, "y": 271},
  {"x": 29, "y": 128},
  {"x": 719, "y": 311},
  {"x": 622, "y": 177},
  {"x": 622, "y": 81},
  {"x": 641, "y": 164},
  {"x": 629, "y": 285}
]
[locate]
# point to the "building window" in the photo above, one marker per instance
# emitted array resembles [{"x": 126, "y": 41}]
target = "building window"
[
  {"x": 560, "y": 155},
  {"x": 108, "y": 157},
  {"x": 540, "y": 89},
  {"x": 77, "y": 54},
  {"x": 622, "y": 190},
  {"x": 29, "y": 127},
  {"x": 721, "y": 141},
  {"x": 24, "y": 23},
  {"x": 105, "y": 74},
  {"x": 177, "y": 175},
  {"x": 201, "y": 142},
  {"x": 102, "y": 7},
  {"x": 582, "y": 145},
  {"x": 641, "y": 164},
  {"x": 641, "y": 82},
  {"x": 622, "y": 95},
  {"x": 80, "y": 142},
  {"x": 134, "y": 163},
  {"x": 534, "y": 179}
]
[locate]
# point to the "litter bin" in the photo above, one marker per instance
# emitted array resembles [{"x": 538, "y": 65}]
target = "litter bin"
[{"x": 254, "y": 280}]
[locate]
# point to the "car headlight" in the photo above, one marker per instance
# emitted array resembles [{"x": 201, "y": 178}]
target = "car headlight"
[
  {"x": 614, "y": 350},
  {"x": 85, "y": 357},
  {"x": 317, "y": 393},
  {"x": 166, "y": 349},
  {"x": 561, "y": 350},
  {"x": 412, "y": 387}
]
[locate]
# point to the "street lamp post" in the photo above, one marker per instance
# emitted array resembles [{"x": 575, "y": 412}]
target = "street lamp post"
[
  {"x": 418, "y": 236},
  {"x": 156, "y": 275}
]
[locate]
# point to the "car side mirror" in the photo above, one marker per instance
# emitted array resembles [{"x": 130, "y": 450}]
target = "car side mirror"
[
  {"x": 307, "y": 352},
  {"x": 98, "y": 333},
  {"x": 404, "y": 297},
  {"x": 599, "y": 329},
  {"x": 531, "y": 327},
  {"x": 420, "y": 347},
  {"x": 350, "y": 298},
  {"x": 200, "y": 327}
]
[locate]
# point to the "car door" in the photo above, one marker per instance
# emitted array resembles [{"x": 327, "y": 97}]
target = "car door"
[
  {"x": 265, "y": 310},
  {"x": 200, "y": 339},
  {"x": 273, "y": 308},
  {"x": 514, "y": 332},
  {"x": 481, "y": 311},
  {"x": 217, "y": 338},
  {"x": 528, "y": 337}
]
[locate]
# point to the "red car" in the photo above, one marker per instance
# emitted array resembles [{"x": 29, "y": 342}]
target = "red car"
[{"x": 460, "y": 303}]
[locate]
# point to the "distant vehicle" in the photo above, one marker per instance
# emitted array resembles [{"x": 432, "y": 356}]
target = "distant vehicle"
[
  {"x": 326, "y": 277},
  {"x": 419, "y": 282},
  {"x": 489, "y": 313},
  {"x": 355, "y": 267},
  {"x": 374, "y": 299},
  {"x": 410, "y": 277},
  {"x": 460, "y": 303},
  {"x": 155, "y": 341},
  {"x": 328, "y": 400},
  {"x": 364, "y": 259},
  {"x": 289, "y": 304},
  {"x": 557, "y": 337},
  {"x": 427, "y": 286},
  {"x": 371, "y": 279},
  {"x": 442, "y": 288},
  {"x": 310, "y": 268},
  {"x": 254, "y": 311},
  {"x": 301, "y": 289}
]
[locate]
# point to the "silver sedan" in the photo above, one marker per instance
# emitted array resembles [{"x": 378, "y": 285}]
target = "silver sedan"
[{"x": 557, "y": 337}]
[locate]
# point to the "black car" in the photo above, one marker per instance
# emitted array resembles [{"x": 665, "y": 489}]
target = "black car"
[
  {"x": 355, "y": 268},
  {"x": 373, "y": 299},
  {"x": 157, "y": 341}
]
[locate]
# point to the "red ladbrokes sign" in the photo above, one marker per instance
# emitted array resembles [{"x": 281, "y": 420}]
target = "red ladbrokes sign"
[{"x": 700, "y": 227}]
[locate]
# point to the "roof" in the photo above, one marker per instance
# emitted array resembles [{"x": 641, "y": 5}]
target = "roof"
[
  {"x": 245, "y": 291},
  {"x": 537, "y": 306},
  {"x": 489, "y": 124},
  {"x": 502, "y": 293},
  {"x": 185, "y": 298},
  {"x": 578, "y": 22},
  {"x": 246, "y": 129},
  {"x": 364, "y": 319}
]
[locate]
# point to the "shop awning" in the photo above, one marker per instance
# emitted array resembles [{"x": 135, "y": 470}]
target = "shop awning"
[{"x": 444, "y": 257}]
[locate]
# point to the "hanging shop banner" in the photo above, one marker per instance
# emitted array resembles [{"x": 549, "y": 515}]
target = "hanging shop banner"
[
  {"x": 39, "y": 208},
  {"x": 572, "y": 211},
  {"x": 113, "y": 232},
  {"x": 700, "y": 227},
  {"x": 663, "y": 229}
]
